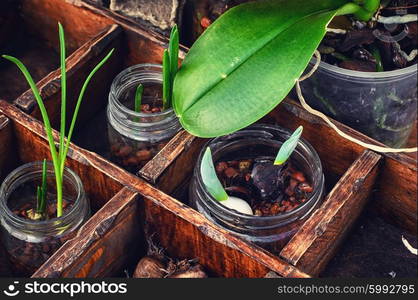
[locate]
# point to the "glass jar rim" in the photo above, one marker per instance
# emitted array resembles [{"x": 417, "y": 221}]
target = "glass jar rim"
[
  {"x": 36, "y": 166},
  {"x": 282, "y": 216},
  {"x": 365, "y": 75},
  {"x": 114, "y": 90}
]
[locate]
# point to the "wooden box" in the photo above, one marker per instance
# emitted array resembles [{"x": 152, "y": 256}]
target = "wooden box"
[{"x": 130, "y": 208}]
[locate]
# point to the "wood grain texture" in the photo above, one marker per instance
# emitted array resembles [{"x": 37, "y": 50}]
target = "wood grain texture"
[
  {"x": 174, "y": 163},
  {"x": 80, "y": 24},
  {"x": 318, "y": 239},
  {"x": 395, "y": 196},
  {"x": 7, "y": 147}
]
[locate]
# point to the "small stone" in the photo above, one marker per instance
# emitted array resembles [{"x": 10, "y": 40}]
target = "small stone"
[
  {"x": 290, "y": 190},
  {"x": 145, "y": 107},
  {"x": 205, "y": 22},
  {"x": 143, "y": 155},
  {"x": 244, "y": 165},
  {"x": 231, "y": 172},
  {"x": 125, "y": 151},
  {"x": 247, "y": 177},
  {"x": 115, "y": 148},
  {"x": 298, "y": 176},
  {"x": 304, "y": 187},
  {"x": 221, "y": 166},
  {"x": 131, "y": 161}
]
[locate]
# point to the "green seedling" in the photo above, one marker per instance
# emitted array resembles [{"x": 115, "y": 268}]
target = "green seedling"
[
  {"x": 249, "y": 59},
  {"x": 58, "y": 155},
  {"x": 288, "y": 147},
  {"x": 170, "y": 67},
  {"x": 42, "y": 191},
  {"x": 376, "y": 54},
  {"x": 215, "y": 188},
  {"x": 138, "y": 97}
]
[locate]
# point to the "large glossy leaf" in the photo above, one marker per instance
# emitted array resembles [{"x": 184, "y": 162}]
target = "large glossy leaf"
[{"x": 247, "y": 62}]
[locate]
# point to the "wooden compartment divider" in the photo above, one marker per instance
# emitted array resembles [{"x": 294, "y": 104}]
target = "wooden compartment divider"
[
  {"x": 315, "y": 243},
  {"x": 30, "y": 32},
  {"x": 130, "y": 208}
]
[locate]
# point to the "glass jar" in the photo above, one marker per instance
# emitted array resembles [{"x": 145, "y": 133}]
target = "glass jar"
[
  {"x": 382, "y": 105},
  {"x": 135, "y": 137},
  {"x": 259, "y": 140},
  {"x": 29, "y": 243}
]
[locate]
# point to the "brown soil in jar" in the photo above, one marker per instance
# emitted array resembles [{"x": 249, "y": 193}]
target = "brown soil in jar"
[
  {"x": 151, "y": 109},
  {"x": 133, "y": 156},
  {"x": 26, "y": 257},
  {"x": 269, "y": 190},
  {"x": 28, "y": 211},
  {"x": 355, "y": 49},
  {"x": 127, "y": 153}
]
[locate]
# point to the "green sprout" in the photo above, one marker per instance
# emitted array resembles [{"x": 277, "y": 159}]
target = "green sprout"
[
  {"x": 210, "y": 179},
  {"x": 58, "y": 157},
  {"x": 41, "y": 191},
  {"x": 138, "y": 98},
  {"x": 215, "y": 188},
  {"x": 363, "y": 10},
  {"x": 288, "y": 147},
  {"x": 170, "y": 67},
  {"x": 376, "y": 54}
]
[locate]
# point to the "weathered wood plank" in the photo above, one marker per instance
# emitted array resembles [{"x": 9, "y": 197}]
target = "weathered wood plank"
[
  {"x": 80, "y": 25},
  {"x": 7, "y": 147},
  {"x": 174, "y": 163},
  {"x": 317, "y": 240}
]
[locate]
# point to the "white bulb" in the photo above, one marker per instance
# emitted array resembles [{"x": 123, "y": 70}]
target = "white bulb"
[{"x": 238, "y": 204}]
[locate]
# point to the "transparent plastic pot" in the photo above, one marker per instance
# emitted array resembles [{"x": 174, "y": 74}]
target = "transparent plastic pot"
[
  {"x": 136, "y": 137},
  {"x": 29, "y": 243},
  {"x": 259, "y": 140},
  {"x": 382, "y": 105}
]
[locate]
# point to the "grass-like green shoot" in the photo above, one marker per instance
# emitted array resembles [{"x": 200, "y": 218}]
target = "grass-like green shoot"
[
  {"x": 170, "y": 67},
  {"x": 138, "y": 98},
  {"x": 376, "y": 54},
  {"x": 58, "y": 155},
  {"x": 42, "y": 191},
  {"x": 362, "y": 10},
  {"x": 288, "y": 147},
  {"x": 210, "y": 179}
]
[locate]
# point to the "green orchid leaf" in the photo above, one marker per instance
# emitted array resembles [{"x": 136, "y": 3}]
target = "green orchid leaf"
[
  {"x": 210, "y": 179},
  {"x": 288, "y": 147},
  {"x": 247, "y": 61}
]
